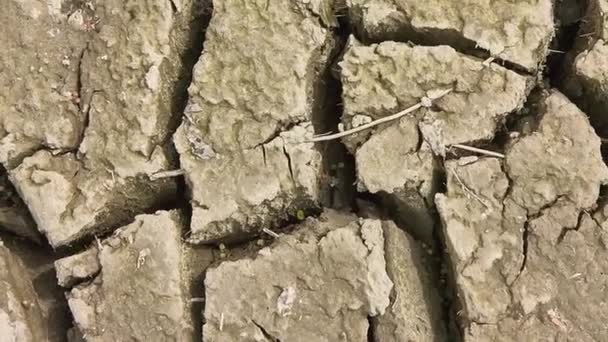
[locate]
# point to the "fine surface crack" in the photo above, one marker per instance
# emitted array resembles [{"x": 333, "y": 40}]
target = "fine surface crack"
[
  {"x": 288, "y": 163},
  {"x": 266, "y": 334}
]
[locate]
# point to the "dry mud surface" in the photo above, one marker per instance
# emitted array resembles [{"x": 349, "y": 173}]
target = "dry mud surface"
[{"x": 166, "y": 174}]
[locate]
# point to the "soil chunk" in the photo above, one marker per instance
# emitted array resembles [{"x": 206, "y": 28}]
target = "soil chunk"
[
  {"x": 252, "y": 101},
  {"x": 518, "y": 32},
  {"x": 511, "y": 230},
  {"x": 31, "y": 304},
  {"x": 120, "y": 63},
  {"x": 396, "y": 160},
  {"x": 143, "y": 288}
]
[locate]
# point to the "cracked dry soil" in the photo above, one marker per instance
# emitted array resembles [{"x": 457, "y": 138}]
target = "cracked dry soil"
[{"x": 159, "y": 182}]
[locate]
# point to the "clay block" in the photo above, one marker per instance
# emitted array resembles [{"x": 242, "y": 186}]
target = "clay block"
[
  {"x": 42, "y": 47},
  {"x": 518, "y": 32},
  {"x": 143, "y": 288},
  {"x": 483, "y": 232},
  {"x": 512, "y": 229},
  {"x": 560, "y": 293},
  {"x": 415, "y": 312},
  {"x": 320, "y": 282},
  {"x": 251, "y": 102},
  {"x": 396, "y": 160},
  {"x": 127, "y": 74},
  {"x": 77, "y": 267},
  {"x": 32, "y": 307}
]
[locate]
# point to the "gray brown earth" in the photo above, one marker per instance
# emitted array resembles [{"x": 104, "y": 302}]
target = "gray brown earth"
[{"x": 160, "y": 180}]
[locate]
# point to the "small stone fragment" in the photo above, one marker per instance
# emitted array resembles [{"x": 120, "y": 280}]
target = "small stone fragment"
[
  {"x": 149, "y": 302},
  {"x": 516, "y": 31},
  {"x": 319, "y": 283},
  {"x": 415, "y": 312},
  {"x": 252, "y": 100},
  {"x": 78, "y": 267}
]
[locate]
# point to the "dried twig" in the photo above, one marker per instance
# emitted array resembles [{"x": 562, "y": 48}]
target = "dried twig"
[
  {"x": 424, "y": 102},
  {"x": 167, "y": 174},
  {"x": 555, "y": 51},
  {"x": 488, "y": 61},
  {"x": 271, "y": 233},
  {"x": 588, "y": 34},
  {"x": 469, "y": 191},
  {"x": 479, "y": 150}
]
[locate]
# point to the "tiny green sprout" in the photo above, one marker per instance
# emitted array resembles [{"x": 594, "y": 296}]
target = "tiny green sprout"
[{"x": 300, "y": 215}]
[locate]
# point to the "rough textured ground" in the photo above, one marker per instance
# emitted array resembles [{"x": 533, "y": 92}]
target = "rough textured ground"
[
  {"x": 159, "y": 180},
  {"x": 251, "y": 102},
  {"x": 320, "y": 283},
  {"x": 515, "y": 232},
  {"x": 114, "y": 72}
]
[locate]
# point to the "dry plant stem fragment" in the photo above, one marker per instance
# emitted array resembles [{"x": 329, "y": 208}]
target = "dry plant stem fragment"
[
  {"x": 252, "y": 100},
  {"x": 120, "y": 74},
  {"x": 424, "y": 102}
]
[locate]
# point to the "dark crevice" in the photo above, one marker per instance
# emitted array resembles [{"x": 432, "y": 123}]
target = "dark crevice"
[
  {"x": 198, "y": 20},
  {"x": 439, "y": 37},
  {"x": 338, "y": 170},
  {"x": 525, "y": 236},
  {"x": 277, "y": 132},
  {"x": 173, "y": 6},
  {"x": 569, "y": 16},
  {"x": 85, "y": 280},
  {"x": 579, "y": 221},
  {"x": 79, "y": 75},
  {"x": 446, "y": 274},
  {"x": 288, "y": 164},
  {"x": 38, "y": 259},
  {"x": 374, "y": 206},
  {"x": 371, "y": 333}
]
